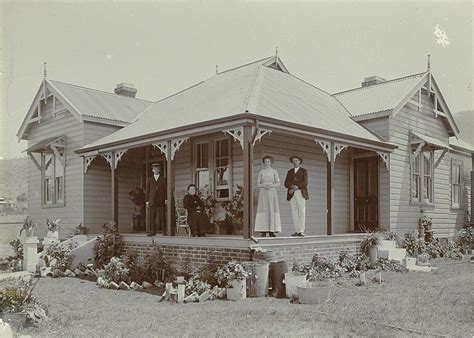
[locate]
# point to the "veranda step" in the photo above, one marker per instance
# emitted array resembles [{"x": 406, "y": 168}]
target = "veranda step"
[{"x": 393, "y": 254}]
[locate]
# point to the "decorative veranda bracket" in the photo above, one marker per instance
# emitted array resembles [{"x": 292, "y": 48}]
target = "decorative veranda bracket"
[
  {"x": 385, "y": 158},
  {"x": 237, "y": 133},
  {"x": 326, "y": 146},
  {"x": 260, "y": 133},
  {"x": 175, "y": 145},
  {"x": 87, "y": 162},
  {"x": 118, "y": 156}
]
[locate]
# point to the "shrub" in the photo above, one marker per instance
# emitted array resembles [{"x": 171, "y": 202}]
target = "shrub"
[
  {"x": 207, "y": 272},
  {"x": 186, "y": 268},
  {"x": 464, "y": 239},
  {"x": 136, "y": 267},
  {"x": 390, "y": 265},
  {"x": 413, "y": 245},
  {"x": 17, "y": 248},
  {"x": 323, "y": 268},
  {"x": 12, "y": 299},
  {"x": 157, "y": 266},
  {"x": 108, "y": 245},
  {"x": 63, "y": 256},
  {"x": 301, "y": 268},
  {"x": 115, "y": 271}
]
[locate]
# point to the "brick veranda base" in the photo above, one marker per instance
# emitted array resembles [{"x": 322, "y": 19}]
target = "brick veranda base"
[{"x": 223, "y": 249}]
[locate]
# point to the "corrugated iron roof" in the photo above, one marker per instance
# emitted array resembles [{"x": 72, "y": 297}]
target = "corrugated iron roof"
[
  {"x": 99, "y": 104},
  {"x": 433, "y": 141},
  {"x": 253, "y": 88},
  {"x": 458, "y": 143},
  {"x": 378, "y": 97}
]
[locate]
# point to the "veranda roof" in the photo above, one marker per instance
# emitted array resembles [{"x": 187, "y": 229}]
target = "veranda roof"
[{"x": 258, "y": 89}]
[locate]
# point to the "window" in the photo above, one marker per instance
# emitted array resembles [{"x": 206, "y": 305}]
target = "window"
[
  {"x": 422, "y": 177},
  {"x": 212, "y": 171},
  {"x": 221, "y": 171},
  {"x": 202, "y": 178},
  {"x": 53, "y": 179},
  {"x": 456, "y": 183}
]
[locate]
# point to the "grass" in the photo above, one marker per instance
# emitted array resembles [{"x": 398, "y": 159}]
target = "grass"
[{"x": 437, "y": 303}]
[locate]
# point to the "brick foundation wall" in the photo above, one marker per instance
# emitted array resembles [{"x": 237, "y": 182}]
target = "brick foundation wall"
[
  {"x": 198, "y": 255},
  {"x": 304, "y": 253},
  {"x": 299, "y": 250}
]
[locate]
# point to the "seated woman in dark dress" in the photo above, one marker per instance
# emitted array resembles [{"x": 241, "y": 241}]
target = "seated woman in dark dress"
[{"x": 197, "y": 217}]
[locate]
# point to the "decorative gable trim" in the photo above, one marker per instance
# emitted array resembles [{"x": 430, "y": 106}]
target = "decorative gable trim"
[
  {"x": 45, "y": 91},
  {"x": 434, "y": 89},
  {"x": 276, "y": 63}
]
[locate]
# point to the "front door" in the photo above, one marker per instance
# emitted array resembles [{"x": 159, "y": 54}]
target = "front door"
[{"x": 366, "y": 199}]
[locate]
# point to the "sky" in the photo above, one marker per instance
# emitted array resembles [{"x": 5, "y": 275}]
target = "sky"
[{"x": 164, "y": 47}]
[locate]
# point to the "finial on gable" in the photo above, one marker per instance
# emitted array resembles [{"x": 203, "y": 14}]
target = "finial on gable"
[
  {"x": 45, "y": 76},
  {"x": 276, "y": 52},
  {"x": 217, "y": 69},
  {"x": 428, "y": 64}
]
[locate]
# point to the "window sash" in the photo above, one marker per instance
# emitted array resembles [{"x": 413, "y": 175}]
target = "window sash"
[
  {"x": 456, "y": 184},
  {"x": 422, "y": 177},
  {"x": 53, "y": 179}
]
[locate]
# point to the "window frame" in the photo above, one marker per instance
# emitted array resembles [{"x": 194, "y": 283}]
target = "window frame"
[
  {"x": 418, "y": 159},
  {"x": 56, "y": 201},
  {"x": 214, "y": 172},
  {"x": 459, "y": 164},
  {"x": 212, "y": 163}
]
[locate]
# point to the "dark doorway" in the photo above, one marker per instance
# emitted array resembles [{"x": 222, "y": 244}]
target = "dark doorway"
[{"x": 366, "y": 199}]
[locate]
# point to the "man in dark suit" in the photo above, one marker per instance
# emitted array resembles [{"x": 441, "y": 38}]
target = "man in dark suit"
[
  {"x": 156, "y": 200},
  {"x": 296, "y": 182}
]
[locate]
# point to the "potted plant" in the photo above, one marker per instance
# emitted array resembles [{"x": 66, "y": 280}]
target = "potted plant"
[
  {"x": 233, "y": 276},
  {"x": 80, "y": 230},
  {"x": 234, "y": 212},
  {"x": 318, "y": 287},
  {"x": 28, "y": 229},
  {"x": 53, "y": 228},
  {"x": 297, "y": 276},
  {"x": 137, "y": 196},
  {"x": 369, "y": 246}
]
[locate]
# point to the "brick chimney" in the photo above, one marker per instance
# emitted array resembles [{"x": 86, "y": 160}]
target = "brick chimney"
[
  {"x": 372, "y": 80},
  {"x": 125, "y": 89}
]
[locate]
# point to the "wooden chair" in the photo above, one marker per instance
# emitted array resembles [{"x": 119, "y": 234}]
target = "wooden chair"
[{"x": 181, "y": 214}]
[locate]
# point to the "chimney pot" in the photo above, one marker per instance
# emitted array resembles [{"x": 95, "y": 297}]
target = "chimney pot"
[
  {"x": 372, "y": 80},
  {"x": 125, "y": 89}
]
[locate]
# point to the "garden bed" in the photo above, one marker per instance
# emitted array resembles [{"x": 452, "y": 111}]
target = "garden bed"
[{"x": 438, "y": 303}]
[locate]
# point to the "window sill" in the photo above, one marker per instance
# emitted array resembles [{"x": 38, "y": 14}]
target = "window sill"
[
  {"x": 424, "y": 204},
  {"x": 49, "y": 206},
  {"x": 457, "y": 208}
]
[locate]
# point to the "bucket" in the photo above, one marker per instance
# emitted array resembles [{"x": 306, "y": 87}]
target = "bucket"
[
  {"x": 314, "y": 292},
  {"x": 373, "y": 254},
  {"x": 257, "y": 282},
  {"x": 237, "y": 291},
  {"x": 277, "y": 273},
  {"x": 292, "y": 280}
]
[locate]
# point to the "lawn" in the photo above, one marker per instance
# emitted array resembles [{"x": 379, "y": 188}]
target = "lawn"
[{"x": 437, "y": 303}]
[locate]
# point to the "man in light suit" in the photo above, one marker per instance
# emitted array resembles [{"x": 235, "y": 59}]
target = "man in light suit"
[
  {"x": 296, "y": 182},
  {"x": 156, "y": 200}
]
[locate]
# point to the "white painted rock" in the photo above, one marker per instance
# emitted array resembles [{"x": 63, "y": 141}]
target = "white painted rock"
[
  {"x": 204, "y": 296},
  {"x": 53, "y": 262},
  {"x": 78, "y": 273},
  {"x": 159, "y": 284},
  {"x": 69, "y": 273},
  {"x": 191, "y": 298},
  {"x": 26, "y": 278},
  {"x": 113, "y": 285},
  {"x": 41, "y": 263},
  {"x": 124, "y": 286},
  {"x": 101, "y": 282},
  {"x": 45, "y": 271},
  {"x": 146, "y": 285},
  {"x": 100, "y": 272},
  {"x": 135, "y": 286}
]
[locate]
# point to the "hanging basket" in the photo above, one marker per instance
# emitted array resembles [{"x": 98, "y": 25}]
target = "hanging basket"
[{"x": 314, "y": 292}]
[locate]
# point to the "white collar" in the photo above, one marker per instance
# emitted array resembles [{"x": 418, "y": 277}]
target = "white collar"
[
  {"x": 156, "y": 176},
  {"x": 296, "y": 169}
]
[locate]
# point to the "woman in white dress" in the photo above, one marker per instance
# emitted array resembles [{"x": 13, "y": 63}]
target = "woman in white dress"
[{"x": 267, "y": 219}]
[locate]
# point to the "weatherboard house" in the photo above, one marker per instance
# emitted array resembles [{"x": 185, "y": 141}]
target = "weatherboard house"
[{"x": 379, "y": 156}]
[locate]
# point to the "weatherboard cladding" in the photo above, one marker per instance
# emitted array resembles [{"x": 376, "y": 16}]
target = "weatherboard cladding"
[
  {"x": 99, "y": 104},
  {"x": 254, "y": 89},
  {"x": 378, "y": 97}
]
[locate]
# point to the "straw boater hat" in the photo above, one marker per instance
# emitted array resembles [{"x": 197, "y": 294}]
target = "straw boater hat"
[{"x": 295, "y": 156}]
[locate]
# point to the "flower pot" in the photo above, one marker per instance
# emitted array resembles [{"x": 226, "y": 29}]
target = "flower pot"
[
  {"x": 237, "y": 289},
  {"x": 52, "y": 234},
  {"x": 314, "y": 292},
  {"x": 292, "y": 280},
  {"x": 373, "y": 254}
]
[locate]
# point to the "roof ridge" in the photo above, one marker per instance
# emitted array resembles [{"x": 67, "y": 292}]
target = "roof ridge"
[
  {"x": 99, "y": 91},
  {"x": 247, "y": 64},
  {"x": 378, "y": 84}
]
